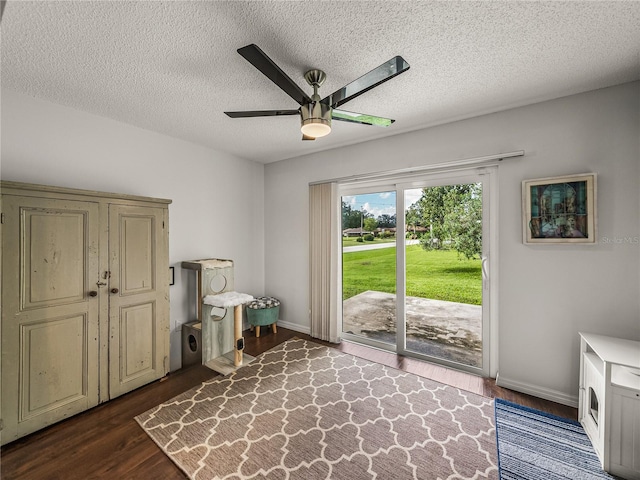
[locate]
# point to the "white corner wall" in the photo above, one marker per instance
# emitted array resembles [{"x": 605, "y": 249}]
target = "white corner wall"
[
  {"x": 547, "y": 294},
  {"x": 217, "y": 208}
]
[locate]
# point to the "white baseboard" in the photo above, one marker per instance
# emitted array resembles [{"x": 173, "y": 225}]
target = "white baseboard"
[
  {"x": 294, "y": 326},
  {"x": 537, "y": 391},
  {"x": 281, "y": 323}
]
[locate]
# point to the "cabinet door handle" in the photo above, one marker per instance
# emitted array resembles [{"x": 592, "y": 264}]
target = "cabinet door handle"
[
  {"x": 114, "y": 290},
  {"x": 93, "y": 293}
]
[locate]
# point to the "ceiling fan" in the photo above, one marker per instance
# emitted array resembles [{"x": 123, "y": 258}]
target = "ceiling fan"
[{"x": 315, "y": 113}]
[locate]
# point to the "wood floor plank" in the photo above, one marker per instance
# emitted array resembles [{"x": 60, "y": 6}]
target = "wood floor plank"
[{"x": 106, "y": 442}]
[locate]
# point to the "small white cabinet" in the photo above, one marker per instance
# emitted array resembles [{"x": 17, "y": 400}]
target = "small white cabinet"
[{"x": 609, "y": 401}]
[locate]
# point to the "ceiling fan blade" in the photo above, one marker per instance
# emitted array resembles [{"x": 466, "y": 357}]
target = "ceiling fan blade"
[
  {"x": 261, "y": 113},
  {"x": 262, "y": 62},
  {"x": 307, "y": 137},
  {"x": 375, "y": 77},
  {"x": 361, "y": 118}
]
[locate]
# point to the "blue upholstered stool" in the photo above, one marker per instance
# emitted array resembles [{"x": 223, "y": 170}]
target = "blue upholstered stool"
[{"x": 263, "y": 311}]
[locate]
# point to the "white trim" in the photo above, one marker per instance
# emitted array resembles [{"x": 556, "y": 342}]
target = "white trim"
[
  {"x": 401, "y": 271},
  {"x": 294, "y": 326},
  {"x": 398, "y": 174},
  {"x": 368, "y": 342},
  {"x": 493, "y": 273},
  {"x": 538, "y": 391}
]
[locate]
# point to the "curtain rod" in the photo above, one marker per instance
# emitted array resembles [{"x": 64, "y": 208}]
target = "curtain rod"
[{"x": 426, "y": 168}]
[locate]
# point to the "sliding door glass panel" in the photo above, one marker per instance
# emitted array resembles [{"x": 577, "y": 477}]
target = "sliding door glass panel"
[
  {"x": 443, "y": 273},
  {"x": 369, "y": 268}
]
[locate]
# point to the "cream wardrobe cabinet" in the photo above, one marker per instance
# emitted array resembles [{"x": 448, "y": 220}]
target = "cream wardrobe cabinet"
[{"x": 85, "y": 301}]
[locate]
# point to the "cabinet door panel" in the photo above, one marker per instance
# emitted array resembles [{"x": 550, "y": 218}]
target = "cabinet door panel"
[
  {"x": 53, "y": 360},
  {"x": 138, "y": 304},
  {"x": 49, "y": 320},
  {"x": 53, "y": 272},
  {"x": 137, "y": 248},
  {"x": 625, "y": 433},
  {"x": 137, "y": 344}
]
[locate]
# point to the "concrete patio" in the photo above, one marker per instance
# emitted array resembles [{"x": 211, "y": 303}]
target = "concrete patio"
[{"x": 448, "y": 330}]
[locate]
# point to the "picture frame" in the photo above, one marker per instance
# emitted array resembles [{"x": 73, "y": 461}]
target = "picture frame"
[
  {"x": 559, "y": 210},
  {"x": 172, "y": 277}
]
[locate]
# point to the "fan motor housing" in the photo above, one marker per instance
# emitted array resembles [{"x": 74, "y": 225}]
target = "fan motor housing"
[{"x": 315, "y": 119}]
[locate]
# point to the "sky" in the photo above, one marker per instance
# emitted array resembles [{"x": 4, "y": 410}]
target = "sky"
[{"x": 381, "y": 203}]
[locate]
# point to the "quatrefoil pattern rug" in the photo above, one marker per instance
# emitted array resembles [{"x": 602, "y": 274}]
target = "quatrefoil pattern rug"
[{"x": 306, "y": 411}]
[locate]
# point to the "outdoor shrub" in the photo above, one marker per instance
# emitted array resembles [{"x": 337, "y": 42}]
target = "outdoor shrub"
[
  {"x": 359, "y": 239},
  {"x": 368, "y": 237}
]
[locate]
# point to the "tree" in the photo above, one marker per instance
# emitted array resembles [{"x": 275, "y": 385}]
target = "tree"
[
  {"x": 350, "y": 217},
  {"x": 412, "y": 217},
  {"x": 370, "y": 224},
  {"x": 386, "y": 221},
  {"x": 431, "y": 213},
  {"x": 453, "y": 217},
  {"x": 463, "y": 220}
]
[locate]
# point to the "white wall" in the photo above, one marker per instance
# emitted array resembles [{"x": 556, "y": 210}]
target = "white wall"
[
  {"x": 547, "y": 293},
  {"x": 217, "y": 208}
]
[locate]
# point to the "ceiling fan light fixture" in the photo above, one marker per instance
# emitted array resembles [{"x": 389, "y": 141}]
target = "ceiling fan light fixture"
[
  {"x": 315, "y": 119},
  {"x": 316, "y": 128},
  {"x": 315, "y": 112}
]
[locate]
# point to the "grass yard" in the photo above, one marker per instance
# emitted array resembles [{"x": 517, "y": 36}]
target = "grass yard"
[{"x": 439, "y": 275}]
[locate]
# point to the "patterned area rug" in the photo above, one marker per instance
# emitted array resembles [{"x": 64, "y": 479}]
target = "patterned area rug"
[
  {"x": 535, "y": 445},
  {"x": 306, "y": 411}
]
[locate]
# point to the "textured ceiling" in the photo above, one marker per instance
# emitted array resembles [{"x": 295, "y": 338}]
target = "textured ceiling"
[{"x": 172, "y": 66}]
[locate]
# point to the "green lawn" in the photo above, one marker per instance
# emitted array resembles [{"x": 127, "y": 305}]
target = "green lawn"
[{"x": 439, "y": 275}]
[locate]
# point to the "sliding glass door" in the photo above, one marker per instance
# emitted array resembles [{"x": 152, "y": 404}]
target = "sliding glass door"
[
  {"x": 417, "y": 283},
  {"x": 444, "y": 251}
]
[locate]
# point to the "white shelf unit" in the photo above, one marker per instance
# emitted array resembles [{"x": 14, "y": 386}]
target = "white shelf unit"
[{"x": 609, "y": 401}]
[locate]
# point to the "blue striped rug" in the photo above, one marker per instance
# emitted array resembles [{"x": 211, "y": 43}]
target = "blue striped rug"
[{"x": 534, "y": 445}]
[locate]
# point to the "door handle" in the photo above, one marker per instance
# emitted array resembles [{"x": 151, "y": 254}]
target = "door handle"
[
  {"x": 485, "y": 274},
  {"x": 114, "y": 290},
  {"x": 483, "y": 263}
]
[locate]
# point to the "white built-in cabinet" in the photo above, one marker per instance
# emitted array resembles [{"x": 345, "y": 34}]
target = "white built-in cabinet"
[
  {"x": 85, "y": 301},
  {"x": 609, "y": 402}
]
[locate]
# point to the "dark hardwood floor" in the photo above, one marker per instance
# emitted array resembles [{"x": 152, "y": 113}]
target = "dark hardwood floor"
[{"x": 106, "y": 442}]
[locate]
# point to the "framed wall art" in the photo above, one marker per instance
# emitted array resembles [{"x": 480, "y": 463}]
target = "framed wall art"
[{"x": 559, "y": 210}]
